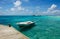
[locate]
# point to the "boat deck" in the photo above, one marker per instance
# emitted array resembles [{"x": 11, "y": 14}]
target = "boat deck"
[{"x": 10, "y": 33}]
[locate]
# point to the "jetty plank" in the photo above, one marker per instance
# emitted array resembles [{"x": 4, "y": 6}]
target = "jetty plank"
[{"x": 10, "y": 33}]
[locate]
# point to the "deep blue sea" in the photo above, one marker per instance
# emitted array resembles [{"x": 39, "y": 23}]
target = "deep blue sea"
[{"x": 46, "y": 27}]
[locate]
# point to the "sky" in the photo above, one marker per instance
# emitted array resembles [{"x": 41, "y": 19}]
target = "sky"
[{"x": 29, "y": 7}]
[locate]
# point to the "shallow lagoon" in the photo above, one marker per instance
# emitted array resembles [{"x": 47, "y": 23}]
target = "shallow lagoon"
[{"x": 47, "y": 27}]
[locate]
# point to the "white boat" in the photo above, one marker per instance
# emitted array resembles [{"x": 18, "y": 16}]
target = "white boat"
[{"x": 25, "y": 24}]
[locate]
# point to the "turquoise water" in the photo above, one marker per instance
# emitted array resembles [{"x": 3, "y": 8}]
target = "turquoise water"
[{"x": 46, "y": 27}]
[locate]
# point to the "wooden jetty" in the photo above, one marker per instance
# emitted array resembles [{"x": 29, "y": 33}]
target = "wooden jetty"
[{"x": 7, "y": 32}]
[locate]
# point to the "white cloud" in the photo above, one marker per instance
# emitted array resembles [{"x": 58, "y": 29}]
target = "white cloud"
[
  {"x": 17, "y": 3},
  {"x": 17, "y": 6},
  {"x": 18, "y": 9},
  {"x": 53, "y": 6},
  {"x": 52, "y": 10}
]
